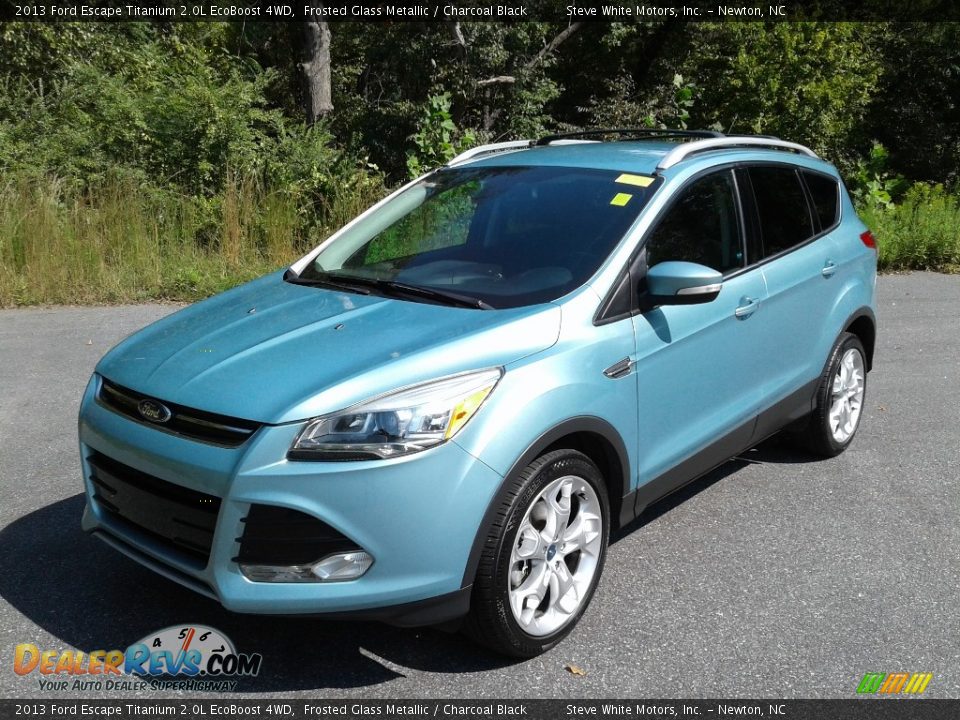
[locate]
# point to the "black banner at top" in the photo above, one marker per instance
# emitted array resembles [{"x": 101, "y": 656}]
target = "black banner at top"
[{"x": 477, "y": 10}]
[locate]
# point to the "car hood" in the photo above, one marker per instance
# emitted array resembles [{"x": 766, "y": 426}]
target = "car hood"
[{"x": 274, "y": 352}]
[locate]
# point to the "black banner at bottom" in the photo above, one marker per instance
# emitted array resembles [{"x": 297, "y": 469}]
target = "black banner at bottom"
[{"x": 852, "y": 709}]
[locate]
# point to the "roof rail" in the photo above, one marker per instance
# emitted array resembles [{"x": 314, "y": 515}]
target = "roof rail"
[
  {"x": 630, "y": 133},
  {"x": 491, "y": 149},
  {"x": 682, "y": 152},
  {"x": 701, "y": 141}
]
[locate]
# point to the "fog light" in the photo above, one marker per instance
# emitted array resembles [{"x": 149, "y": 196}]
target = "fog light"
[
  {"x": 333, "y": 568},
  {"x": 279, "y": 573},
  {"x": 343, "y": 566}
]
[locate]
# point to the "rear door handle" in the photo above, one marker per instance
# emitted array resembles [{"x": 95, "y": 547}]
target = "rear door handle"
[
  {"x": 747, "y": 307},
  {"x": 829, "y": 268}
]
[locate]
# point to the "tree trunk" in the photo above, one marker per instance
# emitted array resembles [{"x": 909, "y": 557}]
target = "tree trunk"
[{"x": 318, "y": 100}]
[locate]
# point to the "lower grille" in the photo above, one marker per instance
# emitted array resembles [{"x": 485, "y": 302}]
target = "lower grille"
[
  {"x": 281, "y": 536},
  {"x": 181, "y": 518}
]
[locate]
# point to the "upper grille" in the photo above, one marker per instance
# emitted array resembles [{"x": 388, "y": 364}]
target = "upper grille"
[
  {"x": 182, "y": 518},
  {"x": 194, "y": 424}
]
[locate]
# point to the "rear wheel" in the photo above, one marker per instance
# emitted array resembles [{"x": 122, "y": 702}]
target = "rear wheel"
[
  {"x": 840, "y": 398},
  {"x": 543, "y": 556}
]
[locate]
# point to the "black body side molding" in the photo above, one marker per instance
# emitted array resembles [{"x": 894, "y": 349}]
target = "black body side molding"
[{"x": 751, "y": 433}]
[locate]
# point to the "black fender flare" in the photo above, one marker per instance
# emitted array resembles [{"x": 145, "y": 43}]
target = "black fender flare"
[{"x": 868, "y": 313}]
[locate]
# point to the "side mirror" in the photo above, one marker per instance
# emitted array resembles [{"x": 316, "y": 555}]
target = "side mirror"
[{"x": 682, "y": 283}]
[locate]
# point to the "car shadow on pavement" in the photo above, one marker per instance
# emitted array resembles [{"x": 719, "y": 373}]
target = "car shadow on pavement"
[
  {"x": 778, "y": 450},
  {"x": 774, "y": 450},
  {"x": 92, "y": 598}
]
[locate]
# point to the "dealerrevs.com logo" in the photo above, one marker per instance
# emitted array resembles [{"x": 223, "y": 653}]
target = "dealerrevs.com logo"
[{"x": 182, "y": 657}]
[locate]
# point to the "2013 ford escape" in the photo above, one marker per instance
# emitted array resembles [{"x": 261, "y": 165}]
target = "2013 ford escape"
[{"x": 444, "y": 409}]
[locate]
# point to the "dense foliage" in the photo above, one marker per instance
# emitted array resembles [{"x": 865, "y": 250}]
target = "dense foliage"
[{"x": 199, "y": 127}]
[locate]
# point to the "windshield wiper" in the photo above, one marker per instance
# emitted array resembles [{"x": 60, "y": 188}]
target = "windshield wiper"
[
  {"x": 365, "y": 285},
  {"x": 334, "y": 283},
  {"x": 445, "y": 296},
  {"x": 394, "y": 287}
]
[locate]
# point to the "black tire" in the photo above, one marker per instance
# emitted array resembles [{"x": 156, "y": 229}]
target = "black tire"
[
  {"x": 817, "y": 436},
  {"x": 491, "y": 621}
]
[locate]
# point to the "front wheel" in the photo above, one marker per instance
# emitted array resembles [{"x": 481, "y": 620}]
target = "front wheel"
[
  {"x": 543, "y": 556},
  {"x": 840, "y": 398}
]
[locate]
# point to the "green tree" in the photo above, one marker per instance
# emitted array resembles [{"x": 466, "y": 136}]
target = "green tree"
[
  {"x": 437, "y": 139},
  {"x": 807, "y": 82},
  {"x": 916, "y": 111}
]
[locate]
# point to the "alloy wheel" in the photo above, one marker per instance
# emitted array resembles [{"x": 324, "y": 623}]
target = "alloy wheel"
[
  {"x": 846, "y": 396},
  {"x": 555, "y": 556}
]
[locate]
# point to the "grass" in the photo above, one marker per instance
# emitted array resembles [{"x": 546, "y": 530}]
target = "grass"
[
  {"x": 122, "y": 243},
  {"x": 922, "y": 232},
  {"x": 125, "y": 243}
]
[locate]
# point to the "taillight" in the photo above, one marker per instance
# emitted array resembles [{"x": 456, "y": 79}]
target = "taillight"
[{"x": 868, "y": 239}]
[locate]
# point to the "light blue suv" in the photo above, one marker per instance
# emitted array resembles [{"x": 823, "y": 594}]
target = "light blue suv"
[{"x": 443, "y": 410}]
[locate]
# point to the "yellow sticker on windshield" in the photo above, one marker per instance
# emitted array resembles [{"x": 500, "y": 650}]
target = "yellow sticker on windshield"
[
  {"x": 620, "y": 199},
  {"x": 638, "y": 180}
]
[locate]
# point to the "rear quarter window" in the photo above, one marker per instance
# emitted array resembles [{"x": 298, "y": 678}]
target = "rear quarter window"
[
  {"x": 782, "y": 208},
  {"x": 825, "y": 193}
]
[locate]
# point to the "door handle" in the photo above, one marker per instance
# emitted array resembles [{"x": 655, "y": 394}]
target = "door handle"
[
  {"x": 829, "y": 268},
  {"x": 746, "y": 308}
]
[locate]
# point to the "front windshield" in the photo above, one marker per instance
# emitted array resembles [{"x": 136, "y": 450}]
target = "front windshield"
[{"x": 503, "y": 236}]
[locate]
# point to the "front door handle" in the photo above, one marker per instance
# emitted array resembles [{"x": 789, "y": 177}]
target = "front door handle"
[
  {"x": 747, "y": 307},
  {"x": 829, "y": 268}
]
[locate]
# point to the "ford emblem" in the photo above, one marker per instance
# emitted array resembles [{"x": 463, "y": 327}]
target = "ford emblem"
[{"x": 154, "y": 411}]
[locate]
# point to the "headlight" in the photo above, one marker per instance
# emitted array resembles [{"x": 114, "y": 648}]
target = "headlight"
[{"x": 398, "y": 423}]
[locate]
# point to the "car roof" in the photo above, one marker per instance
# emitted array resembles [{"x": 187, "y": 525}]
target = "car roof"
[{"x": 641, "y": 156}]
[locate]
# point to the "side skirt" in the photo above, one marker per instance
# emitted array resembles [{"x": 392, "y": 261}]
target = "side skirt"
[
  {"x": 695, "y": 466},
  {"x": 792, "y": 408}
]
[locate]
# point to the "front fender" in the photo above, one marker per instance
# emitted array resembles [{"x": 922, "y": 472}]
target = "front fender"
[{"x": 545, "y": 398}]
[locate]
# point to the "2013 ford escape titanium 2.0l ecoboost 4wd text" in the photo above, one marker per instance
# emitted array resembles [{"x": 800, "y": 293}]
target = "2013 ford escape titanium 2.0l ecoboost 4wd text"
[{"x": 443, "y": 410}]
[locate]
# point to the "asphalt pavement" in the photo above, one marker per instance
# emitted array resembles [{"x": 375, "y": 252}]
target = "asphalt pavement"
[{"x": 775, "y": 576}]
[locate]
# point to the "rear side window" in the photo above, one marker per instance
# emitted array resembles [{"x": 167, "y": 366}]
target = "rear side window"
[
  {"x": 782, "y": 208},
  {"x": 825, "y": 193}
]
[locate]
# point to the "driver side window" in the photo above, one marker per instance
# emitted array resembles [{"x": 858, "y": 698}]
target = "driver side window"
[{"x": 701, "y": 226}]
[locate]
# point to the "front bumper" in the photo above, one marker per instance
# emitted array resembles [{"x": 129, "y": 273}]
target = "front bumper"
[{"x": 416, "y": 515}]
